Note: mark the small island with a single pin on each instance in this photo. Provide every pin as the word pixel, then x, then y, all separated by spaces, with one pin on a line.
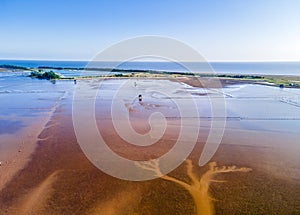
pixel 45 75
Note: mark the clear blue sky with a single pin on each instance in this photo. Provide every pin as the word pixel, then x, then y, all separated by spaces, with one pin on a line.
pixel 221 29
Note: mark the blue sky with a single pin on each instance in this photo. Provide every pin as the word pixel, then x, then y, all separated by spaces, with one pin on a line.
pixel 221 30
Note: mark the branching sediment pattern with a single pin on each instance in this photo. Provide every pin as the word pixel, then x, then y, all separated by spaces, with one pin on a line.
pixel 199 187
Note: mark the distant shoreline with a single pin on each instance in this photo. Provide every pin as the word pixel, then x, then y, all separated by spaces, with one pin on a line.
pixel 287 81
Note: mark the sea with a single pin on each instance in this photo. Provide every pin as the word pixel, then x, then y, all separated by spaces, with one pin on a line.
pixel 244 68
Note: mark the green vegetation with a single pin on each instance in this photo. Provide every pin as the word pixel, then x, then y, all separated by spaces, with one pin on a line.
pixel 284 81
pixel 44 75
pixel 5 66
pixel 239 76
pixel 273 80
pixel 119 75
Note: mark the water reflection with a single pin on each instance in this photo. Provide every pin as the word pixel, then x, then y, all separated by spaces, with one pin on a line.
pixel 10 126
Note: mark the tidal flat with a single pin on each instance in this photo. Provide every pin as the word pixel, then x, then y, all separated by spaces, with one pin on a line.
pixel 255 170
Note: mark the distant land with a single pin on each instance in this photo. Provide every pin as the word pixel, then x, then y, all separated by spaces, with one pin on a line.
pixel 53 72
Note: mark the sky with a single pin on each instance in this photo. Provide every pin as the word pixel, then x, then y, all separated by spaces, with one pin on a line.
pixel 221 30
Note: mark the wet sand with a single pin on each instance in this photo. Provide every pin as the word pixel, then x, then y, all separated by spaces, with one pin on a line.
pixel 59 179
pixel 18 146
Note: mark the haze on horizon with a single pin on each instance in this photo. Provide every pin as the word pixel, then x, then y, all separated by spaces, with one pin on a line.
pixel 230 30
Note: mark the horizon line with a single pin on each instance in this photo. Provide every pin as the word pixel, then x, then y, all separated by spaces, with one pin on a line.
pixel 209 61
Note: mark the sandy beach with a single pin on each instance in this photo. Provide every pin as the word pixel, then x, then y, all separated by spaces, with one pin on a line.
pixel 255 171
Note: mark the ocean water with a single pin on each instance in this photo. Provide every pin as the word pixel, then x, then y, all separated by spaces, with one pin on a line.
pixel 262 68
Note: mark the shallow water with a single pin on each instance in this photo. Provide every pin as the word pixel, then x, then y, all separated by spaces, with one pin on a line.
pixel 256 115
pixel 24 102
pixel 253 106
pixel 262 125
pixel 248 107
pixel 265 108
